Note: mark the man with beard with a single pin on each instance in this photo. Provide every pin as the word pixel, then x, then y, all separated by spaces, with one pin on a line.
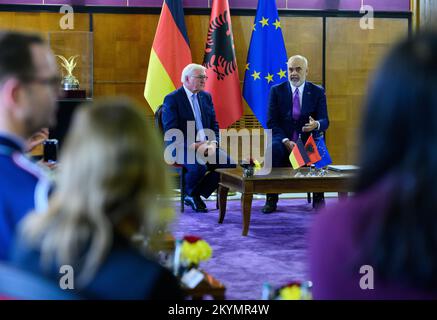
pixel 296 107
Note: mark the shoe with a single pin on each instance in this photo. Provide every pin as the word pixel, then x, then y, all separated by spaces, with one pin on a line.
pixel 194 204
pixel 200 202
pixel 318 201
pixel 271 203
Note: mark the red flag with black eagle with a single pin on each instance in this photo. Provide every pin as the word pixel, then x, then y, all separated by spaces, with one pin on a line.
pixel 311 150
pixel 222 71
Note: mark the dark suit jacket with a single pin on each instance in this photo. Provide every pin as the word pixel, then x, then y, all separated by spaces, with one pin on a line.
pixel 20 184
pixel 280 119
pixel 176 111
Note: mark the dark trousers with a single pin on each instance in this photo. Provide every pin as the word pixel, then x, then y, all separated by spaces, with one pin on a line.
pixel 201 179
pixel 280 155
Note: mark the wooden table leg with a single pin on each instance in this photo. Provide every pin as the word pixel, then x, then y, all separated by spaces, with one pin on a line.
pixel 223 196
pixel 246 205
pixel 219 296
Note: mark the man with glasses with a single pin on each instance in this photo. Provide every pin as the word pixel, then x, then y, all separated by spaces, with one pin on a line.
pixel 191 106
pixel 29 87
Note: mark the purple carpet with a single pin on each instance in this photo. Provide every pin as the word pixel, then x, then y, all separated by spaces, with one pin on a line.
pixel 275 251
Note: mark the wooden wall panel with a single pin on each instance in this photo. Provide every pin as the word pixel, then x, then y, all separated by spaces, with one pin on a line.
pixel 131 90
pixel 352 54
pixel 122 44
pixel 304 36
pixel 40 21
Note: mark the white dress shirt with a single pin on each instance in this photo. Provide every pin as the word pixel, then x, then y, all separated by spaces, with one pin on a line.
pixel 293 91
pixel 190 98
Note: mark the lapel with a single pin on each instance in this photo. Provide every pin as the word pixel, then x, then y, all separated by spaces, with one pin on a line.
pixel 289 97
pixel 186 103
pixel 306 97
pixel 202 107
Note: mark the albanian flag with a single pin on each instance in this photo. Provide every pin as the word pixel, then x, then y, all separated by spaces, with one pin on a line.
pixel 311 150
pixel 223 82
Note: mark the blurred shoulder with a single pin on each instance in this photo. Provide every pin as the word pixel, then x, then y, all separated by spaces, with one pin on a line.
pixel 174 95
pixel 280 86
pixel 315 87
pixel 206 94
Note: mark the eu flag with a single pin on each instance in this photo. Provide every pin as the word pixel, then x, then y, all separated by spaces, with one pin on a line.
pixel 324 154
pixel 266 60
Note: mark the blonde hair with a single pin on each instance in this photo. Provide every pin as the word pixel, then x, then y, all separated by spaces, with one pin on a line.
pixel 111 172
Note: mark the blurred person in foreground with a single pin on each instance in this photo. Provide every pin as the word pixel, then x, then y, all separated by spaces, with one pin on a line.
pixel 107 189
pixel 29 87
pixel 382 244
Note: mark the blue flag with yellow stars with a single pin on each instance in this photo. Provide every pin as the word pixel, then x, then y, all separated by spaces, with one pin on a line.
pixel 324 154
pixel 266 60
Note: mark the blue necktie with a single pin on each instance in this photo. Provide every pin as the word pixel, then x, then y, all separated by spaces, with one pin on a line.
pixel 198 117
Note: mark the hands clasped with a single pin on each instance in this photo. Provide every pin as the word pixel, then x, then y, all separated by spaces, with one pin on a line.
pixel 207 148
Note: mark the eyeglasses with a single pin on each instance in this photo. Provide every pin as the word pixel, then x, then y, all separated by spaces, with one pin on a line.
pixel 200 77
pixel 54 82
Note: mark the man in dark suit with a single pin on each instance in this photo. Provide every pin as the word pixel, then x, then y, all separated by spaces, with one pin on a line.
pixel 29 87
pixel 191 110
pixel 296 107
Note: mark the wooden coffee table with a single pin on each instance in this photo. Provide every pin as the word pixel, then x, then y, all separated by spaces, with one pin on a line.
pixel 280 180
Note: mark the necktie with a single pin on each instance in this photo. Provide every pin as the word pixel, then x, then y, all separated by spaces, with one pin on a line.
pixel 296 105
pixel 198 117
pixel 296 111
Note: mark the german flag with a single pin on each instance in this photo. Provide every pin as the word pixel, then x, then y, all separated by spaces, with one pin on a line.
pixel 169 55
pixel 298 156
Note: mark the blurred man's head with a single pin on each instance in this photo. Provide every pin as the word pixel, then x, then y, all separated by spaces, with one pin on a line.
pixel 29 84
pixel 194 77
pixel 297 70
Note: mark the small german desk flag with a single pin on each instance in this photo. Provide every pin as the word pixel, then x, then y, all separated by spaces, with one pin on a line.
pixel 299 156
